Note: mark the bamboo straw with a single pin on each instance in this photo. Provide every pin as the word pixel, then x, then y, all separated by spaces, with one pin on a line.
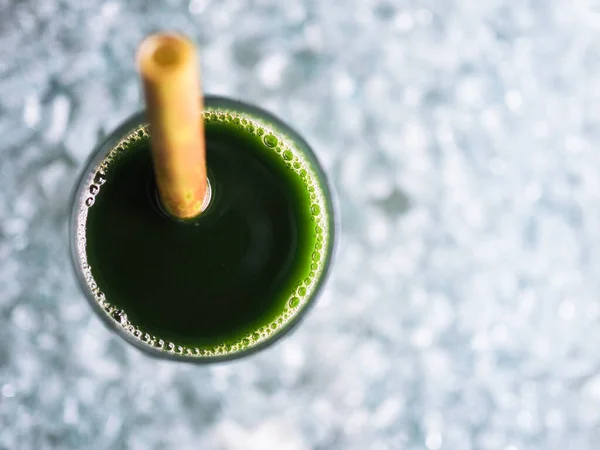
pixel 168 66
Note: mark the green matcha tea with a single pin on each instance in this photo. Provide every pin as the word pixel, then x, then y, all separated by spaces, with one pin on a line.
pixel 227 281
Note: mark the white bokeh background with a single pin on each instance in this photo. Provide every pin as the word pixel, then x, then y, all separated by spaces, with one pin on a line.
pixel 464 308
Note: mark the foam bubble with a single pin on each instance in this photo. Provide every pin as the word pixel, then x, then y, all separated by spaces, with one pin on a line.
pixel 270 140
pixel 120 316
pixel 100 178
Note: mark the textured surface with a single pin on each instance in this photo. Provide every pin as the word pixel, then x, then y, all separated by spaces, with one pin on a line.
pixel 464 309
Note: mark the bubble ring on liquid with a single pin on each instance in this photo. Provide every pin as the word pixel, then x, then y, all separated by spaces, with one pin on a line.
pixel 274 141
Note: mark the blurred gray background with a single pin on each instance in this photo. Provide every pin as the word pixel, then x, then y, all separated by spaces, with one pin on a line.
pixel 463 312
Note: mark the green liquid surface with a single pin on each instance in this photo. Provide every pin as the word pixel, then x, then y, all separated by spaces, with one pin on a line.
pixel 226 280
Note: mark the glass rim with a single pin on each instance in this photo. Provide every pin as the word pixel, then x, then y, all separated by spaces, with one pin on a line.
pixel 100 152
